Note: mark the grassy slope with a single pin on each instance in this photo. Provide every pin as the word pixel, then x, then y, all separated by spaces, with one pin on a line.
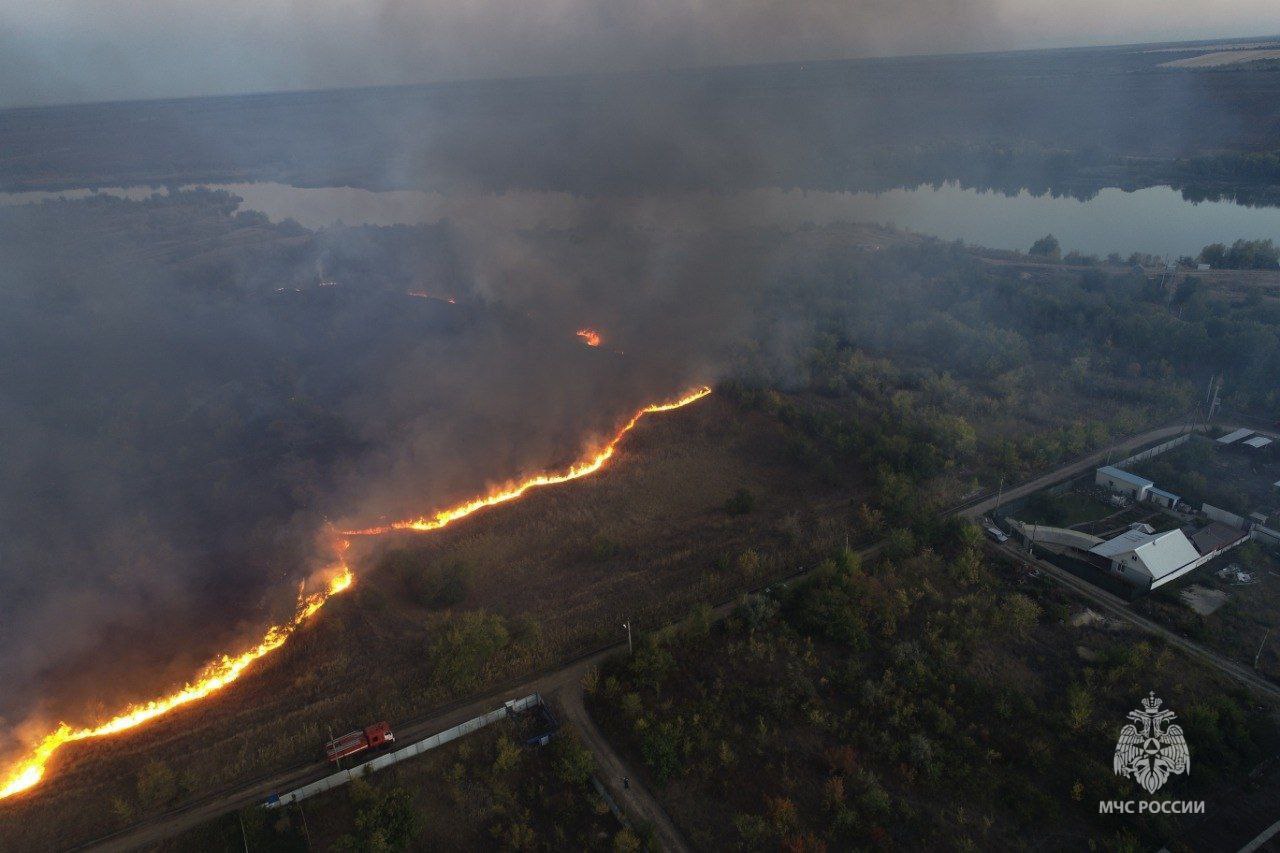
pixel 646 539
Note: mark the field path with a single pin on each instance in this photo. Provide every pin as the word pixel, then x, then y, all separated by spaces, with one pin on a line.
pixel 565 685
pixel 634 798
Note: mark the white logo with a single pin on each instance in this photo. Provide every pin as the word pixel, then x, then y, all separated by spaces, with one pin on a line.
pixel 1150 752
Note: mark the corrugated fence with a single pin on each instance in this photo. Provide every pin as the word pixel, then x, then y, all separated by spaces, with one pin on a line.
pixel 1154 451
pixel 342 777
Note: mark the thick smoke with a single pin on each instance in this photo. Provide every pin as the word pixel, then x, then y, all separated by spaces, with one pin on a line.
pixel 90 51
pixel 190 398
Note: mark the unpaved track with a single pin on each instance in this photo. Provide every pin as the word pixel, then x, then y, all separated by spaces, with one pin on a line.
pixel 1117 608
pixel 634 798
pixel 565 684
pixel 174 822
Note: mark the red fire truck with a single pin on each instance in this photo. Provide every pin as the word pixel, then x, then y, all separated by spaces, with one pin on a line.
pixel 358 741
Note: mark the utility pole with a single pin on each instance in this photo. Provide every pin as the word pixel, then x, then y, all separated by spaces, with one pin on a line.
pixel 243 837
pixel 995 511
pixel 306 830
pixel 627 625
pixel 329 731
pixel 1260 645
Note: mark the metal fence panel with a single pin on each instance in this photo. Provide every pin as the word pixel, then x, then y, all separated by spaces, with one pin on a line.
pixel 342 777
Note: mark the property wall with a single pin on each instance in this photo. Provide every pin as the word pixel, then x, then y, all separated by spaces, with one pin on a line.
pixel 1265 535
pixel 1228 518
pixel 1057 536
pixel 1195 564
pixel 1154 451
pixel 342 777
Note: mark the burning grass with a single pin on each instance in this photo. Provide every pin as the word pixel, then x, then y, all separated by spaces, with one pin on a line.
pixel 520 587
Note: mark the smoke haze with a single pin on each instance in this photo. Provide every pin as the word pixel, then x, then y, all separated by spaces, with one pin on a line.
pixel 86 50
pixel 190 396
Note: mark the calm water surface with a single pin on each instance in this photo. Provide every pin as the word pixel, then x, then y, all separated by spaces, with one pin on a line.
pixel 1156 220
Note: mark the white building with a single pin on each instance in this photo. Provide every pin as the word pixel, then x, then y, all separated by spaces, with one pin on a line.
pixel 1149 560
pixel 1123 482
pixel 1233 437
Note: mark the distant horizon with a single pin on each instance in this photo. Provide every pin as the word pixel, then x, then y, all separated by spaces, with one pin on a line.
pixel 1207 41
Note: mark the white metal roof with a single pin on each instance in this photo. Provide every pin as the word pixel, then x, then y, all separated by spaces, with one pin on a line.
pixel 1124 476
pixel 1158 554
pixel 1233 437
pixel 1258 441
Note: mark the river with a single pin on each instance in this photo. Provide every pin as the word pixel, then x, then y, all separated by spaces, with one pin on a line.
pixel 1156 220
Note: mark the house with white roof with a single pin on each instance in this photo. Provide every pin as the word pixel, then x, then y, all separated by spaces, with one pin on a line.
pixel 1149 560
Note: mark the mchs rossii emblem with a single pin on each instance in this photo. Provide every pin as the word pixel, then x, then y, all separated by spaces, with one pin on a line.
pixel 1151 748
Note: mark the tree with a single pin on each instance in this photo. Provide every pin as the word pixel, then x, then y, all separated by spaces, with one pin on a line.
pixel 572 761
pixel 1046 247
pixel 1020 614
pixel 384 821
pixel 1253 255
pixel 1215 255
pixel 468 642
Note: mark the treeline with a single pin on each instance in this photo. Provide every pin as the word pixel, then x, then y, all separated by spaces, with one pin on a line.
pixel 1103 332
pixel 1242 255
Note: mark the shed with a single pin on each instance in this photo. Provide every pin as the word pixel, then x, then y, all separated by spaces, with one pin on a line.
pixel 1119 480
pixel 1160 497
pixel 1257 442
pixel 1233 437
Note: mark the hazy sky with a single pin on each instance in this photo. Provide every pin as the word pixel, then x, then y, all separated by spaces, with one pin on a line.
pixel 87 50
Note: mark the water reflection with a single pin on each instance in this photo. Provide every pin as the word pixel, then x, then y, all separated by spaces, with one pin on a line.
pixel 1156 220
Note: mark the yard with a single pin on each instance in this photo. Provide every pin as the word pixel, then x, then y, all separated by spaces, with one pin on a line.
pixel 1234 478
pixel 1244 627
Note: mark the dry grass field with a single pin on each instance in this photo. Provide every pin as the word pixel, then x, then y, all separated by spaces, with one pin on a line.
pixel 437 617
pixel 484 792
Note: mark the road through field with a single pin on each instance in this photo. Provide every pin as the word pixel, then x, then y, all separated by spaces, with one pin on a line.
pixel 565 684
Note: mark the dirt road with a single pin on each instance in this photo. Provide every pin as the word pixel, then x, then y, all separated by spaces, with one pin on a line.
pixel 564 684
pixel 633 797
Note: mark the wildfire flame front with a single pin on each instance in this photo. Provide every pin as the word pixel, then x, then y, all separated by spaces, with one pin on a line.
pixel 27 772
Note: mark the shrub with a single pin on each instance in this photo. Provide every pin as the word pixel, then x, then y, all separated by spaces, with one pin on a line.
pixel 156 785
pixel 573 762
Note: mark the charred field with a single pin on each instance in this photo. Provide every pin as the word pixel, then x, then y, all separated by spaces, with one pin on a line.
pixel 446 615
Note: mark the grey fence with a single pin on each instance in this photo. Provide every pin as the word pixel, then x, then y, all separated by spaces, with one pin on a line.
pixel 1228 518
pixel 342 777
pixel 1163 447
pixel 1265 535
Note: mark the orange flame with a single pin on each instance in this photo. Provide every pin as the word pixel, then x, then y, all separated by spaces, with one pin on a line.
pixel 214 676
pixel 226 669
pixel 511 491
pixel 589 336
